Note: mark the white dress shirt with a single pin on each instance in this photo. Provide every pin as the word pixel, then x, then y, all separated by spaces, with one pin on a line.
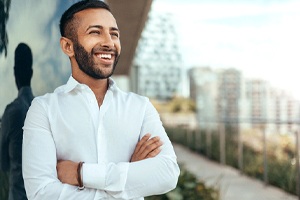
pixel 68 125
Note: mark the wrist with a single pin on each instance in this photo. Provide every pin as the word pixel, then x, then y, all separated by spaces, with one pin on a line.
pixel 79 176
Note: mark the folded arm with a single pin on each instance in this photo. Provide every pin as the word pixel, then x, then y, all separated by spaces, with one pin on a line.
pixel 67 170
pixel 152 176
pixel 152 170
pixel 39 161
pixel 145 175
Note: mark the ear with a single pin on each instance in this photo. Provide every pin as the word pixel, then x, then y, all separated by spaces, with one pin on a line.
pixel 67 46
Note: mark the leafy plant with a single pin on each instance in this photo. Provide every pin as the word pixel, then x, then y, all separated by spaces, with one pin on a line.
pixel 280 157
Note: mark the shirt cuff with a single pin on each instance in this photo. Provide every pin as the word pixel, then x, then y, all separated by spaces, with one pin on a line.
pixel 93 175
pixel 109 177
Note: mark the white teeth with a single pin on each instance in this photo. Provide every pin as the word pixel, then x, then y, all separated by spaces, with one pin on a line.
pixel 105 56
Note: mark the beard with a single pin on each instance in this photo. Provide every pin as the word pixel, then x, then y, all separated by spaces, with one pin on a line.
pixel 86 62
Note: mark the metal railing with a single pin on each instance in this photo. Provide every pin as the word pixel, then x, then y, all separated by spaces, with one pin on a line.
pixel 200 139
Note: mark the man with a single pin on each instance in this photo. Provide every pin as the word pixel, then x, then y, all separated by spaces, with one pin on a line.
pixel 89 139
pixel 12 122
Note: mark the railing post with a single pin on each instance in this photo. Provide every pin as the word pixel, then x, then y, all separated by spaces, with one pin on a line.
pixel 193 132
pixel 265 154
pixel 297 163
pixel 222 143
pixel 188 137
pixel 197 139
pixel 208 141
pixel 240 150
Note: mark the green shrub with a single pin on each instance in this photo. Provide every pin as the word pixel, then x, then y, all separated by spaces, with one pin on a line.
pixel 180 104
pixel 281 173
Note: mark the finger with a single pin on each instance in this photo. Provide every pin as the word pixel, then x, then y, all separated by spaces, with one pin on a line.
pixel 141 142
pixel 144 147
pixel 154 153
pixel 151 145
pixel 147 144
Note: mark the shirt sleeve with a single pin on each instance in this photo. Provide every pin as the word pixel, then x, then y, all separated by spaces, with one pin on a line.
pixel 151 176
pixel 39 160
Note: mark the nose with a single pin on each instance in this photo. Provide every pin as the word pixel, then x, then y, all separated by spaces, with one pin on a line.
pixel 107 41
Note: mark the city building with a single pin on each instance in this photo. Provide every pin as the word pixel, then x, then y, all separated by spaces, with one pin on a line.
pixel 157 67
pixel 229 92
pixel 204 91
pixel 226 96
pixel 259 103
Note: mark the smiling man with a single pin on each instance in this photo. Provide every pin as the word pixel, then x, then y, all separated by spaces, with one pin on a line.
pixel 88 139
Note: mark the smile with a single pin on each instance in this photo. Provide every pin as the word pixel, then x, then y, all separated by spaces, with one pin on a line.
pixel 104 56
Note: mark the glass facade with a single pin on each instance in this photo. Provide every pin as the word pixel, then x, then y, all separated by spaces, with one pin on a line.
pixel 158 63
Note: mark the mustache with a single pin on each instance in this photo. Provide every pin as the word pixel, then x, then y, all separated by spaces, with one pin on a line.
pixel 104 49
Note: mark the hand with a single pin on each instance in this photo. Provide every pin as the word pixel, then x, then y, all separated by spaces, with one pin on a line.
pixel 146 148
pixel 67 172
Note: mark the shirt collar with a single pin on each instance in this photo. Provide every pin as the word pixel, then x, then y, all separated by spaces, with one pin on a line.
pixel 72 84
pixel 111 84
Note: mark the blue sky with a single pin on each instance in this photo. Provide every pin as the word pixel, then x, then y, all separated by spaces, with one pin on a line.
pixel 259 37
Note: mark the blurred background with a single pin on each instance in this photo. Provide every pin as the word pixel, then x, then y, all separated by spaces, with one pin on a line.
pixel 222 74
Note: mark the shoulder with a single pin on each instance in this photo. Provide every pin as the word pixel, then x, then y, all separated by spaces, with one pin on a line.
pixel 125 95
pixel 43 98
pixel 44 102
pixel 131 97
pixel 135 102
pixel 12 108
pixel 13 112
pixel 50 95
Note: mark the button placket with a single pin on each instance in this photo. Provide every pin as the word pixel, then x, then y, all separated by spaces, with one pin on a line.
pixel 102 143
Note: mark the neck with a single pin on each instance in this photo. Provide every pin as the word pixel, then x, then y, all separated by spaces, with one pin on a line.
pixel 98 86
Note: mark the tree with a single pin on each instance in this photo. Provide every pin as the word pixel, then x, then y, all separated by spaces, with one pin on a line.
pixel 4 13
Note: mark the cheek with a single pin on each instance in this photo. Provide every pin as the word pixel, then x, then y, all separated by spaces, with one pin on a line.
pixel 88 44
pixel 118 47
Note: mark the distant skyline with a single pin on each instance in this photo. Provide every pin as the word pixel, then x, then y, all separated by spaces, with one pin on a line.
pixel 259 37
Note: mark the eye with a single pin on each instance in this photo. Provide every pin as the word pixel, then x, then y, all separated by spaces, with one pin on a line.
pixel 115 34
pixel 95 32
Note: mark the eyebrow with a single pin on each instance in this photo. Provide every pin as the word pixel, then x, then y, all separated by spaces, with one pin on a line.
pixel 101 27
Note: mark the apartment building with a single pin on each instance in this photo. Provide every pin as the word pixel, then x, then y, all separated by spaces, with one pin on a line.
pixel 157 67
pixel 227 96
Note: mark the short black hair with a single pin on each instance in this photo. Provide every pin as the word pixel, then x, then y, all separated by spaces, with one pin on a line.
pixel 67 22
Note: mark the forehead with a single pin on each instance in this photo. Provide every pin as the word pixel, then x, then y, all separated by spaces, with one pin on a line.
pixel 96 16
